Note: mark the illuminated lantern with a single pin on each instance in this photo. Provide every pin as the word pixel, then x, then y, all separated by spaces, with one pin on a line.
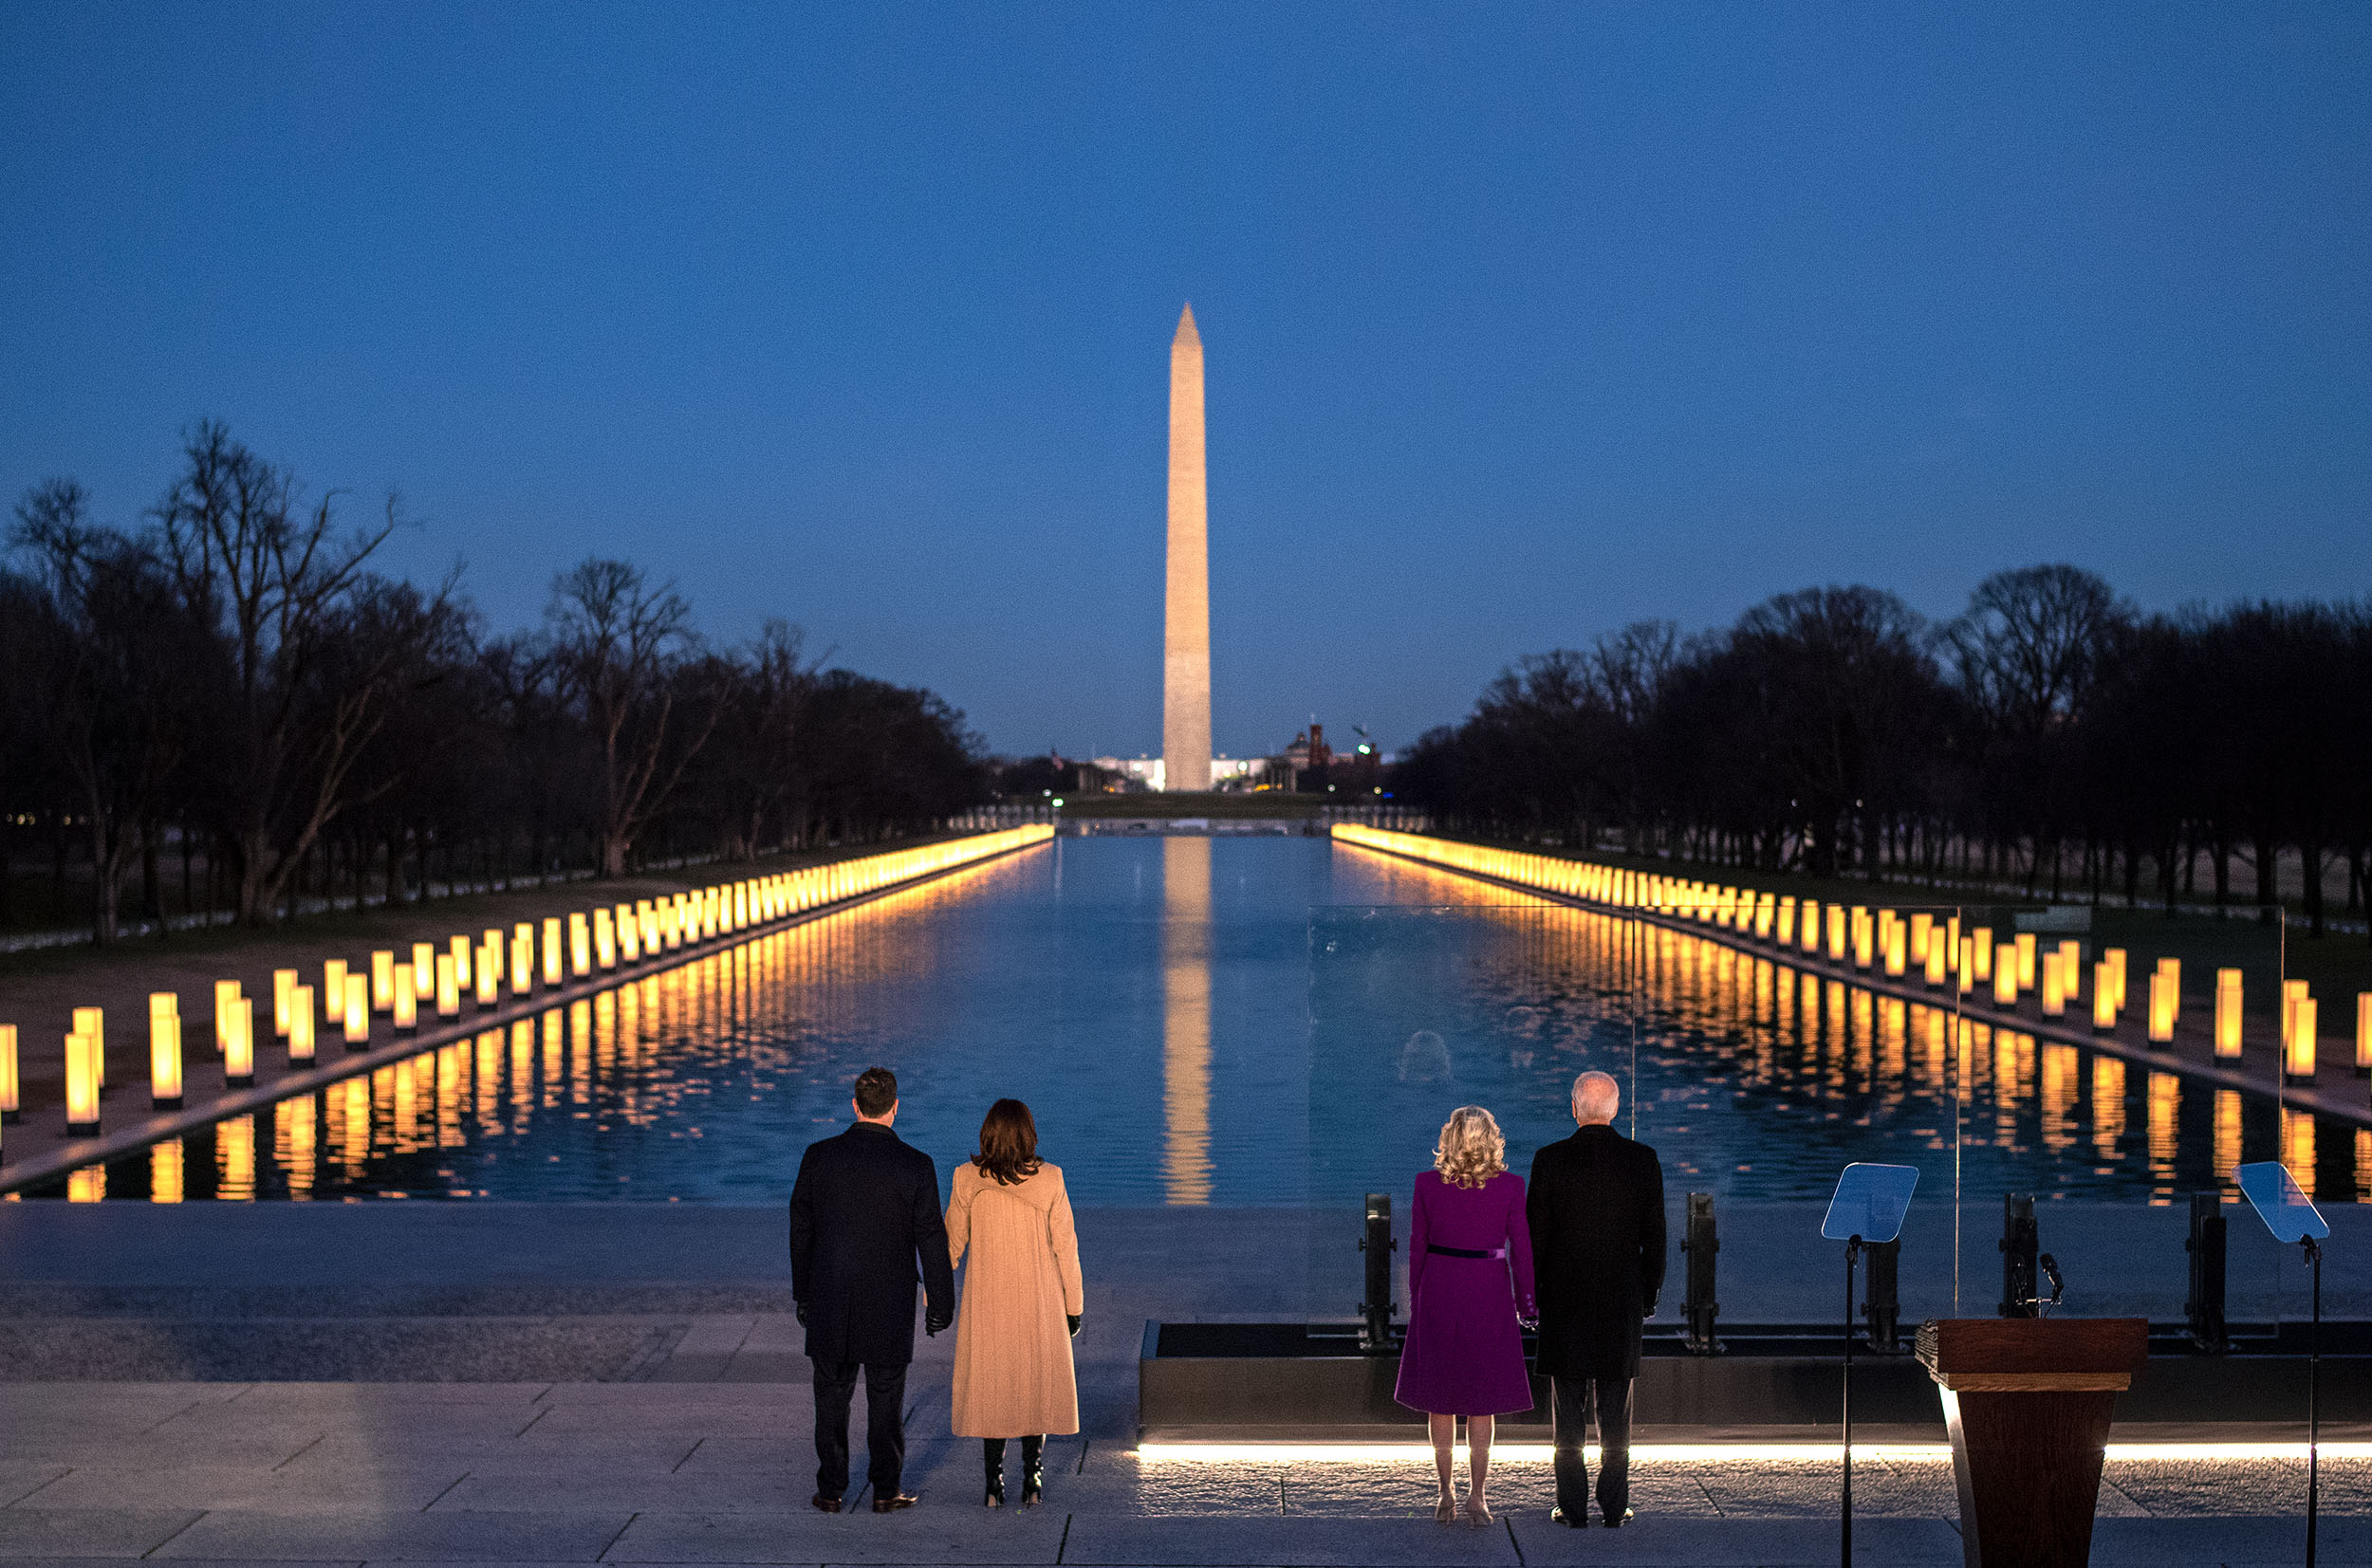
pixel 2292 991
pixel 464 972
pixel 226 998
pixel 2103 999
pixel 1811 925
pixel 2006 975
pixel 629 935
pixel 580 947
pixel 604 939
pixel 490 971
pixel 1898 947
pixel 93 1022
pixel 490 946
pixel 741 906
pixel 2172 970
pixel 521 959
pixel 2115 958
pixel 2071 967
pixel 382 981
pixel 423 971
pixel 448 987
pixel 1923 934
pixel 2054 986
pixel 334 990
pixel 646 920
pixel 671 922
pixel 407 999
pixel 2298 1066
pixel 357 1015
pixel 1836 933
pixel 553 958
pixel 1784 926
pixel 165 1050
pixel 2161 1008
pixel 1935 965
pixel 301 1029
pixel 2029 976
pixel 1981 948
pixel 238 1058
pixel 82 1084
pixel 11 1084
pixel 2364 1033
pixel 1952 939
pixel 283 986
pixel 2228 995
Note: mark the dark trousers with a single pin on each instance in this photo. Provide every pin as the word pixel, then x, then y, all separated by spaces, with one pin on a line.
pixel 1574 1401
pixel 884 1424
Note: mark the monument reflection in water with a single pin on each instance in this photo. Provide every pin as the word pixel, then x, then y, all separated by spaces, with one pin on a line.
pixel 1236 1021
pixel 1186 1019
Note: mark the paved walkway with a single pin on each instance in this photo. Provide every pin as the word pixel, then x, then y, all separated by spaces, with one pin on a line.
pixel 720 1473
pixel 625 1385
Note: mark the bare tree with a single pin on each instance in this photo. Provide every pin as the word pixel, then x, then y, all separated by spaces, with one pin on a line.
pixel 621 645
pixel 276 578
pixel 113 675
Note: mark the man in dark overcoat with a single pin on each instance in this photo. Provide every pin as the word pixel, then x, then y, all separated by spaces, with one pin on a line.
pixel 864 1213
pixel 1596 1208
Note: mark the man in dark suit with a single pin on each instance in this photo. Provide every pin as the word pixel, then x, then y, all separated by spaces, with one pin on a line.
pixel 1596 1208
pixel 864 1210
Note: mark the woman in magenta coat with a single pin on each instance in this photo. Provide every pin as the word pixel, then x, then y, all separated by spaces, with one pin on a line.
pixel 1470 1289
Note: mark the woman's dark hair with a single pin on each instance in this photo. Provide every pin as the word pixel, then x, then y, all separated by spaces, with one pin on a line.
pixel 1008 1143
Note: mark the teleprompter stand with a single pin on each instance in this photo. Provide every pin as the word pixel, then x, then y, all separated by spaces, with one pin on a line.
pixel 2291 1216
pixel 1867 1210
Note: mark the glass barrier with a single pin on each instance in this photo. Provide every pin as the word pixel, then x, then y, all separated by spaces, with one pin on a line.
pixel 2065 1079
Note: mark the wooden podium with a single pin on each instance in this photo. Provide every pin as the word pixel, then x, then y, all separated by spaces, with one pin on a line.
pixel 2028 1401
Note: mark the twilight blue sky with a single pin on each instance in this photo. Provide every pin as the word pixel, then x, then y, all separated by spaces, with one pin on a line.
pixel 1522 323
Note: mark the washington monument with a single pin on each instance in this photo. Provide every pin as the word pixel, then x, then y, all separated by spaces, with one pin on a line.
pixel 1186 620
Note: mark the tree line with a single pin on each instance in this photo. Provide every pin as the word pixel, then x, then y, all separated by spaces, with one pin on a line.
pixel 2049 736
pixel 233 682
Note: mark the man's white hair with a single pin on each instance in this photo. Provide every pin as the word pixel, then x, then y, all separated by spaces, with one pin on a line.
pixel 1596 1096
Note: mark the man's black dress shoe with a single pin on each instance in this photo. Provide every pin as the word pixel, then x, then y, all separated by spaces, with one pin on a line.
pixel 1613 1523
pixel 890 1504
pixel 1571 1521
pixel 829 1504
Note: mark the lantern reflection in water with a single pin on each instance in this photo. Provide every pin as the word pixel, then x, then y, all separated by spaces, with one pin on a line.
pixel 2298 1146
pixel 165 1171
pixel 2165 1132
pixel 234 1159
pixel 2108 1110
pixel 293 1143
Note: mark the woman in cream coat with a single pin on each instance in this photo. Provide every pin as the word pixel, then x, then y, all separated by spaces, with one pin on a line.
pixel 1022 1299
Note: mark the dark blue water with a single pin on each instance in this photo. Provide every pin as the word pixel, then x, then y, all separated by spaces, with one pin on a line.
pixel 1261 1021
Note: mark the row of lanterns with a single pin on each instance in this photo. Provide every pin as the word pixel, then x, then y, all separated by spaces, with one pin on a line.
pixel 2004 966
pixel 401 985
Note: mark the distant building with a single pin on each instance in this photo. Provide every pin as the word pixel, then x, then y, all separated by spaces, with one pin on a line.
pixel 1141 772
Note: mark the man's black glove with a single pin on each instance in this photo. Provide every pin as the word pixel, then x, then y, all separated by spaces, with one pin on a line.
pixel 935 1321
pixel 1074 1324
pixel 799 1310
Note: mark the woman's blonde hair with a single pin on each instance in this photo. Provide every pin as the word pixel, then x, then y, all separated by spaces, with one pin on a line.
pixel 1471 1149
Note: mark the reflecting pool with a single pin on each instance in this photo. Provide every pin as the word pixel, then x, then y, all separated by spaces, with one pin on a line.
pixel 1234 1021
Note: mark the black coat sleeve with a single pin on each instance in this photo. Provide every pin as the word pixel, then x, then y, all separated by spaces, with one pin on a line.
pixel 1651 1234
pixel 938 1275
pixel 803 1230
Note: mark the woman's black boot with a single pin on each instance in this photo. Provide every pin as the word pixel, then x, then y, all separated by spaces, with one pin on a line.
pixel 992 1457
pixel 1032 1476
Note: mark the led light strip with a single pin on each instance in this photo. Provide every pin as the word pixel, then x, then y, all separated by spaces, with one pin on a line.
pixel 1692 1453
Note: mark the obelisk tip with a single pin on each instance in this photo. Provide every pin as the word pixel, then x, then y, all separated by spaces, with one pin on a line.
pixel 1186 333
